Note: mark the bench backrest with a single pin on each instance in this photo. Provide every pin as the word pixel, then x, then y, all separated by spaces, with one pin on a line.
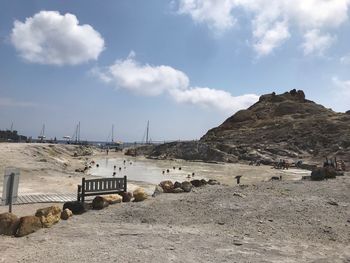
pixel 104 184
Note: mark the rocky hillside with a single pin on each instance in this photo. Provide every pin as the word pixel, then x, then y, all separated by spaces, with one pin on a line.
pixel 277 126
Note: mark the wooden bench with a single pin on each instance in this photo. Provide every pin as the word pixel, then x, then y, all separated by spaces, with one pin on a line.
pixel 101 186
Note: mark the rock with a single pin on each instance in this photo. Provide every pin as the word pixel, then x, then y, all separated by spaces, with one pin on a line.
pixel 213 182
pixel 113 199
pixel 127 196
pixel 8 224
pixel 178 190
pixel 99 203
pixel 204 182
pixel 167 186
pixel 197 183
pixel 76 207
pixel 186 186
pixel 66 213
pixel 157 191
pixel 322 173
pixel 28 225
pixel 140 195
pixel 177 185
pixel 239 195
pixel 49 215
pixel 332 202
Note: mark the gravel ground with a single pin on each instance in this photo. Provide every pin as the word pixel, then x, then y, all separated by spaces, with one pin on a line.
pixel 281 221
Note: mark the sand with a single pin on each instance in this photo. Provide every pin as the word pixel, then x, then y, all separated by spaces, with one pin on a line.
pixel 281 221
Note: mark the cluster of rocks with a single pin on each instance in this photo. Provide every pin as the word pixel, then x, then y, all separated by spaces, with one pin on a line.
pixel 184 187
pixel 46 217
pixel 12 225
pixel 325 173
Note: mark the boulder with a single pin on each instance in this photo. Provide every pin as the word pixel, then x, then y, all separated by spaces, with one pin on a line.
pixel 177 185
pixel 76 207
pixel 213 182
pixel 178 190
pixel 99 203
pixel 113 199
pixel 28 225
pixel 196 183
pixel 157 191
pixel 322 173
pixel 127 196
pixel 204 182
pixel 167 186
pixel 66 213
pixel 186 186
pixel 8 224
pixel 49 215
pixel 140 195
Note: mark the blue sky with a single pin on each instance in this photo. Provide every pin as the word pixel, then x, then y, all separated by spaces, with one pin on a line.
pixel 185 65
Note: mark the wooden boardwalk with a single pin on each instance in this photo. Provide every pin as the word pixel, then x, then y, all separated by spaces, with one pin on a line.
pixel 44 198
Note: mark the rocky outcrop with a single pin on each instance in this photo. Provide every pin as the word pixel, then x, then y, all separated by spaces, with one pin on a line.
pixel 8 224
pixel 28 225
pixel 49 215
pixel 285 126
pixel 140 195
pixel 167 186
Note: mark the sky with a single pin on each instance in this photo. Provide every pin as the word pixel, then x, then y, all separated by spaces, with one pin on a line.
pixel 184 65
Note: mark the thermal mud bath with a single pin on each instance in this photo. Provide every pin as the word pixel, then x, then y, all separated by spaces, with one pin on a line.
pixel 258 221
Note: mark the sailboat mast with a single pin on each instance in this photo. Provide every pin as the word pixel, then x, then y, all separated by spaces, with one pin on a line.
pixel 112 132
pixel 147 132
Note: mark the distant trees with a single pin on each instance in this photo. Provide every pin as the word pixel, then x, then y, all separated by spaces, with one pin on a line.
pixel 11 136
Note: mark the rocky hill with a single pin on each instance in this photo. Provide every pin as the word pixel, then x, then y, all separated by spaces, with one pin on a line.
pixel 284 126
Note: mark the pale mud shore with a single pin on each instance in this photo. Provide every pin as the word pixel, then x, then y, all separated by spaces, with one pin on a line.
pixel 280 221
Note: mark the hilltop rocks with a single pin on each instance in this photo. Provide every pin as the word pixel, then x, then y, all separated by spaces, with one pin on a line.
pixel 8 224
pixel 276 127
pixel 28 225
pixel 140 195
pixel 49 215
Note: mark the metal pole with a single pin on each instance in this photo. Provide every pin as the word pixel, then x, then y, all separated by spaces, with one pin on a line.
pixel 9 197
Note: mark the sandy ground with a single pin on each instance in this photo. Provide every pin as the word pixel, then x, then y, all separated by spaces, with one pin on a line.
pixel 282 221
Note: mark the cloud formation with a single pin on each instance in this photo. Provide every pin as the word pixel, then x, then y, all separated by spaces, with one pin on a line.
pixel 150 80
pixel 9 102
pixel 316 43
pixel 51 38
pixel 271 19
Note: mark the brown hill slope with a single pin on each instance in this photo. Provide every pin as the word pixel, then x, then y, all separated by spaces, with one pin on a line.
pixel 277 126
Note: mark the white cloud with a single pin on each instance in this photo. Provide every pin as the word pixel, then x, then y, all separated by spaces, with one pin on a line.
pixel 343 88
pixel 216 13
pixel 9 102
pixel 345 60
pixel 271 19
pixel 269 38
pixel 51 38
pixel 143 79
pixel 213 98
pixel 317 43
pixel 150 80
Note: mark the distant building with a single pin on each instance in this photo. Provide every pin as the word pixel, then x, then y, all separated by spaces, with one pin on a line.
pixel 11 136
